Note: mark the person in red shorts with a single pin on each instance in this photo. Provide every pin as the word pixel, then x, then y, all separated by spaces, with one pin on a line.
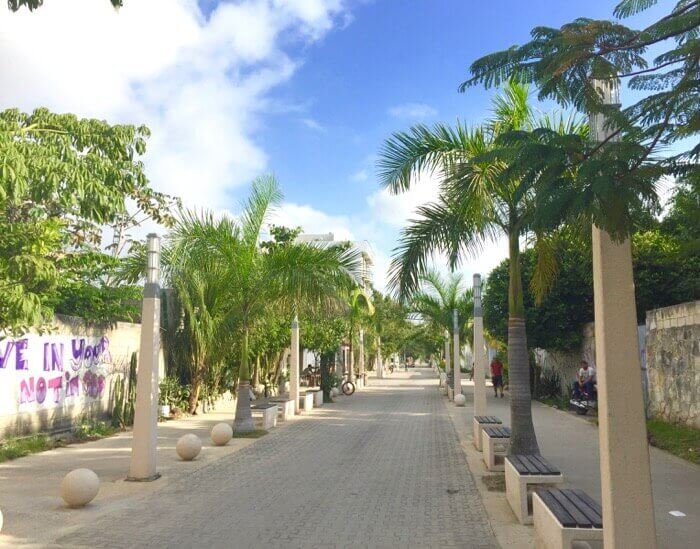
pixel 497 375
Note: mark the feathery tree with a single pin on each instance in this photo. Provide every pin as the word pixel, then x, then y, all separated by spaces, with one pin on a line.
pixel 607 181
pixel 14 5
pixel 480 200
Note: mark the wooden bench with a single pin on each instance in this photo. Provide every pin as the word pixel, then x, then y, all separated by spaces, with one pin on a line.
pixel 306 401
pixel 524 474
pixel 496 442
pixel 286 407
pixel 478 425
pixel 269 414
pixel 563 517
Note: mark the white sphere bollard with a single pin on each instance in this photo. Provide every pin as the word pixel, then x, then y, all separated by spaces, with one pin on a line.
pixel 335 391
pixel 1 520
pixel 460 400
pixel 188 447
pixel 79 487
pixel 221 434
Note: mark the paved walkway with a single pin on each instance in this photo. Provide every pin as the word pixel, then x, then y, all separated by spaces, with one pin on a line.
pixel 571 443
pixel 382 468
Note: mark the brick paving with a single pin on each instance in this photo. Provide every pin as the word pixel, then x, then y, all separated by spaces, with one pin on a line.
pixel 382 468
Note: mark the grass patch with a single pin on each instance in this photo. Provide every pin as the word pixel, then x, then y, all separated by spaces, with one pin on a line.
pixel 252 434
pixel 91 430
pixel 680 440
pixel 562 402
pixel 495 483
pixel 13 448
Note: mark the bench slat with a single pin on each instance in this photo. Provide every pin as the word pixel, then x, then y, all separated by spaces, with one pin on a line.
pixel 582 521
pixel 546 468
pixel 592 514
pixel 515 462
pixel 566 520
pixel 531 466
pixel 497 432
pixel 487 419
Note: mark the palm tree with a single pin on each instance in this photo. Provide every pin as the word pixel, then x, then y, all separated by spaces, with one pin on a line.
pixel 359 306
pixel 479 201
pixel 257 279
pixel 439 297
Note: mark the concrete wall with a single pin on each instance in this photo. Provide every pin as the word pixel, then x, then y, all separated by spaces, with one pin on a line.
pixel 49 380
pixel 673 362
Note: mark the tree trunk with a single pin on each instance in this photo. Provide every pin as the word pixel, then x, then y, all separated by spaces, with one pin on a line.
pixel 522 439
pixel 326 376
pixel 194 395
pixel 243 423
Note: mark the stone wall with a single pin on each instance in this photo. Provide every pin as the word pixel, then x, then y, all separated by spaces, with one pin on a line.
pixel 673 362
pixel 567 364
pixel 49 380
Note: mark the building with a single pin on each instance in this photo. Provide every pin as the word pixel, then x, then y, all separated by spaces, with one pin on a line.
pixel 362 246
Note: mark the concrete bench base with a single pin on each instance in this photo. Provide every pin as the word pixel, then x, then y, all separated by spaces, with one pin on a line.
pixel 318 398
pixel 478 424
pixel 519 489
pixel 550 533
pixel 269 415
pixel 286 408
pixel 306 402
pixel 495 448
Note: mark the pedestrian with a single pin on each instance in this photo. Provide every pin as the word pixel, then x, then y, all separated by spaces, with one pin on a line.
pixel 497 375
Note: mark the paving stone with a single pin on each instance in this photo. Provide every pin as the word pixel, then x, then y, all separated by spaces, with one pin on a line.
pixel 371 470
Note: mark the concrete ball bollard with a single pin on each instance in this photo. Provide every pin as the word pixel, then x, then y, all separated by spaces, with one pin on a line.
pixel 79 487
pixel 1 521
pixel 221 434
pixel 188 447
pixel 335 391
pixel 460 400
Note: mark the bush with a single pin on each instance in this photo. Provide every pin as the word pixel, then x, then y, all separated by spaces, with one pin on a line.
pixel 89 429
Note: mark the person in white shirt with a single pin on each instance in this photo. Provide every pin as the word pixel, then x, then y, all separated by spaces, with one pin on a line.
pixel 584 386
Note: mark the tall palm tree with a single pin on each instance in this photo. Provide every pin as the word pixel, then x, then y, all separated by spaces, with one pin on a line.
pixel 438 297
pixel 258 279
pixel 479 201
pixel 359 306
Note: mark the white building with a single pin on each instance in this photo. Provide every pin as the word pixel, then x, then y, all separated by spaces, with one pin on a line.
pixel 362 246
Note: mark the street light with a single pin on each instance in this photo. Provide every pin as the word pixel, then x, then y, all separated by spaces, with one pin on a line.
pixel 144 439
pixel 625 473
pixel 479 354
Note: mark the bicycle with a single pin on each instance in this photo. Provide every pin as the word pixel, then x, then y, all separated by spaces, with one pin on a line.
pixel 347 387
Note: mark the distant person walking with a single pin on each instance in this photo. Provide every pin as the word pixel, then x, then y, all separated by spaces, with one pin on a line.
pixel 497 375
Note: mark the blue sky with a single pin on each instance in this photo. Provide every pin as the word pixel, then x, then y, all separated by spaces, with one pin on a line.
pixel 306 89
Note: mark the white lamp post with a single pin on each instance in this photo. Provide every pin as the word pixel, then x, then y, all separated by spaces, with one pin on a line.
pixel 456 355
pixel 361 365
pixel 628 509
pixel 380 365
pixel 479 354
pixel 294 366
pixel 447 354
pixel 144 441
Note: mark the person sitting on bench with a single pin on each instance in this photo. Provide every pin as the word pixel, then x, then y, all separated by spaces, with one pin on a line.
pixel 584 387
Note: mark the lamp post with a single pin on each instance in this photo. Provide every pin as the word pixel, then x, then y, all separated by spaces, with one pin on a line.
pixel 447 357
pixel 361 365
pixel 294 366
pixel 479 354
pixel 628 508
pixel 144 439
pixel 380 366
pixel 456 354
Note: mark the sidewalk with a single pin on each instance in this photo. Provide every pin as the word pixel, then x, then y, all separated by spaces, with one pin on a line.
pixel 30 487
pixel 571 443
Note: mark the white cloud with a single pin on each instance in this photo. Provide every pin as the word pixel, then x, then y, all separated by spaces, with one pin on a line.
pixel 199 83
pixel 313 125
pixel 417 111
pixel 312 220
pixel 397 209
pixel 360 176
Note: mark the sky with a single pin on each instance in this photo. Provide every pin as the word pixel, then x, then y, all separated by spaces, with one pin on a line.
pixel 305 89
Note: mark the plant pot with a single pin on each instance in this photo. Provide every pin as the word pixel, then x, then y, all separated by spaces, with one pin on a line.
pixel 164 410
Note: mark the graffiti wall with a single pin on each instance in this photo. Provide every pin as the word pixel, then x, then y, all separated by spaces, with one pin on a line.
pixel 47 380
